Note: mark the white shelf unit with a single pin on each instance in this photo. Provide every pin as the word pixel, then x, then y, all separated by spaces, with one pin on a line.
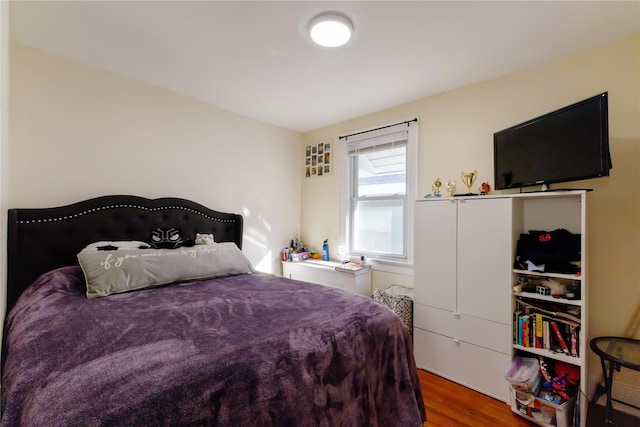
pixel 463 310
pixel 560 210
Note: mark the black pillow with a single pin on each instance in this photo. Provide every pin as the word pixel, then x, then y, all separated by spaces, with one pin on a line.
pixel 168 238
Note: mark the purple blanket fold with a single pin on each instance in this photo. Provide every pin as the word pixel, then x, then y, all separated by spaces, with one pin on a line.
pixel 244 350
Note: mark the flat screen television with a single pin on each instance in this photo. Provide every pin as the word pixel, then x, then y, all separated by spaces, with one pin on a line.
pixel 568 144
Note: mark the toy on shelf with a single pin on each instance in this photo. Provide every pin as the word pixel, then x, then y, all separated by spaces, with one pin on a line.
pixel 555 388
pixel 485 188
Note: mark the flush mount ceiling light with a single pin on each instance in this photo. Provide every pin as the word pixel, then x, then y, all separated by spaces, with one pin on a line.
pixel 330 29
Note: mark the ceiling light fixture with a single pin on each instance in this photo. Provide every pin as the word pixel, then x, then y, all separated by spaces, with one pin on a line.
pixel 330 29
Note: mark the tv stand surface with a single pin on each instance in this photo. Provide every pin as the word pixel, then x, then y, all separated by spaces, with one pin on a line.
pixel 551 190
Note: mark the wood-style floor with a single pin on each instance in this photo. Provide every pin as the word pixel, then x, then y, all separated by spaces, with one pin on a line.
pixel 452 405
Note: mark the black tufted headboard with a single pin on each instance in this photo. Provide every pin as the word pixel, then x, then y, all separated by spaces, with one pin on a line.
pixel 40 240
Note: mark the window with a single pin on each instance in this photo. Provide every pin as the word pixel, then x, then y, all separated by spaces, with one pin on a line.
pixel 378 189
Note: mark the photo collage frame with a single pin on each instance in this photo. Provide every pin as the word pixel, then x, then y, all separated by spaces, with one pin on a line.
pixel 317 159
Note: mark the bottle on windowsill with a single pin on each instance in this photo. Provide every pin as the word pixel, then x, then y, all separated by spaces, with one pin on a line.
pixel 325 250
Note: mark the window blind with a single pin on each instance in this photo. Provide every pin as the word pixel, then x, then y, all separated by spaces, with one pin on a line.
pixel 395 140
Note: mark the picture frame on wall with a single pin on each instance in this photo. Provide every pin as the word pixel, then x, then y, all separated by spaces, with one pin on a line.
pixel 317 160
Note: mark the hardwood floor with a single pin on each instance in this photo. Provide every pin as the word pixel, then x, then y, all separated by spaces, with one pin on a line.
pixel 452 405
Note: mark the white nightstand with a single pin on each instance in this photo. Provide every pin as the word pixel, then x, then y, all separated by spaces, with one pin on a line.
pixel 324 273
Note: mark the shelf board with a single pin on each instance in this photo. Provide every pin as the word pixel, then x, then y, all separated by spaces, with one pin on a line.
pixel 556 275
pixel 549 298
pixel 550 354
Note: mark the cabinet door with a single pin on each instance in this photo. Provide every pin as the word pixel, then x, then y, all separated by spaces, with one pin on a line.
pixel 435 254
pixel 485 256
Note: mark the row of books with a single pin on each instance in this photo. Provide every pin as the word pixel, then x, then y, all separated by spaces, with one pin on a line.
pixel 539 331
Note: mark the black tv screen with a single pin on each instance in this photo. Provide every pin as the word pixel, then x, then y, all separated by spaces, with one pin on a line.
pixel 568 144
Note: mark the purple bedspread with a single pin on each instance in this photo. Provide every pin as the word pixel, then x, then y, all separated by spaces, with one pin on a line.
pixel 245 350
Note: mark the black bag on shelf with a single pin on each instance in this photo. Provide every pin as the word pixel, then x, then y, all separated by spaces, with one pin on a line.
pixel 555 249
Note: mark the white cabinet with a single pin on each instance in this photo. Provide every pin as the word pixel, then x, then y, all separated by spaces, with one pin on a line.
pixel 325 273
pixel 462 276
pixel 463 284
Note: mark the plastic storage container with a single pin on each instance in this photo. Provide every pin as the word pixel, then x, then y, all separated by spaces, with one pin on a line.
pixel 300 256
pixel 524 375
pixel 543 412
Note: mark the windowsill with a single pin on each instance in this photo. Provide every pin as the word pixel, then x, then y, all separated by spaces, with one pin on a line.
pixel 391 266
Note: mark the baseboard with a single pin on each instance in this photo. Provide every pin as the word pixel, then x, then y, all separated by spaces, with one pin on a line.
pixel 621 391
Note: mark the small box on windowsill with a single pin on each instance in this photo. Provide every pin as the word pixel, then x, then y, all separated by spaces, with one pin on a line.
pixel 299 256
pixel 351 266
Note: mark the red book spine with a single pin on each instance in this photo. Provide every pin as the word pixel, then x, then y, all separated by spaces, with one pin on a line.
pixel 563 344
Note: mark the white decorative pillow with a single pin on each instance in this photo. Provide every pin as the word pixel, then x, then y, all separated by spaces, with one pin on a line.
pixel 116 271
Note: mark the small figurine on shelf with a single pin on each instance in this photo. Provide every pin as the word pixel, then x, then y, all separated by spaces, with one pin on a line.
pixel 545 373
pixel 451 187
pixel 435 187
pixel 559 385
pixel 485 188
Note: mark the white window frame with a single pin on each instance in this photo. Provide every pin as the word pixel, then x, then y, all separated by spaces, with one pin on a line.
pixel 388 264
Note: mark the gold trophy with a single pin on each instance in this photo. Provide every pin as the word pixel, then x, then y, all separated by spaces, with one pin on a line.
pixel 451 187
pixel 469 178
pixel 435 187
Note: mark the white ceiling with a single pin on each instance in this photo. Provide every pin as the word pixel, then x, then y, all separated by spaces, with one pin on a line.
pixel 255 58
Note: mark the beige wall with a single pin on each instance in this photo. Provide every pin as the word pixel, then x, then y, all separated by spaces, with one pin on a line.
pixel 79 132
pixel 456 134
pixel 4 142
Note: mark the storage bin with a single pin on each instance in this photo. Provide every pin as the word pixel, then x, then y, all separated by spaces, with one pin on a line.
pixel 299 256
pixel 543 412
pixel 524 375
pixel 400 300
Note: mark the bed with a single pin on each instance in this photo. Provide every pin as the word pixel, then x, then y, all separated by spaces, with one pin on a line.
pixel 236 349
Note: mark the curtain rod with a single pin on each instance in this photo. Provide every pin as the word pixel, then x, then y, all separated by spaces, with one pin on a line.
pixel 408 122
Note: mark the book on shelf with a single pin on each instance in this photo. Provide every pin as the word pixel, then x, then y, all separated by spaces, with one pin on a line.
pixel 560 338
pixel 573 336
pixel 524 338
pixel 546 338
pixel 351 266
pixel 539 330
pixel 517 327
pixel 532 331
pixel 518 333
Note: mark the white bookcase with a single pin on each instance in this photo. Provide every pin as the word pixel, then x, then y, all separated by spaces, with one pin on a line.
pixel 463 300
pixel 567 210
